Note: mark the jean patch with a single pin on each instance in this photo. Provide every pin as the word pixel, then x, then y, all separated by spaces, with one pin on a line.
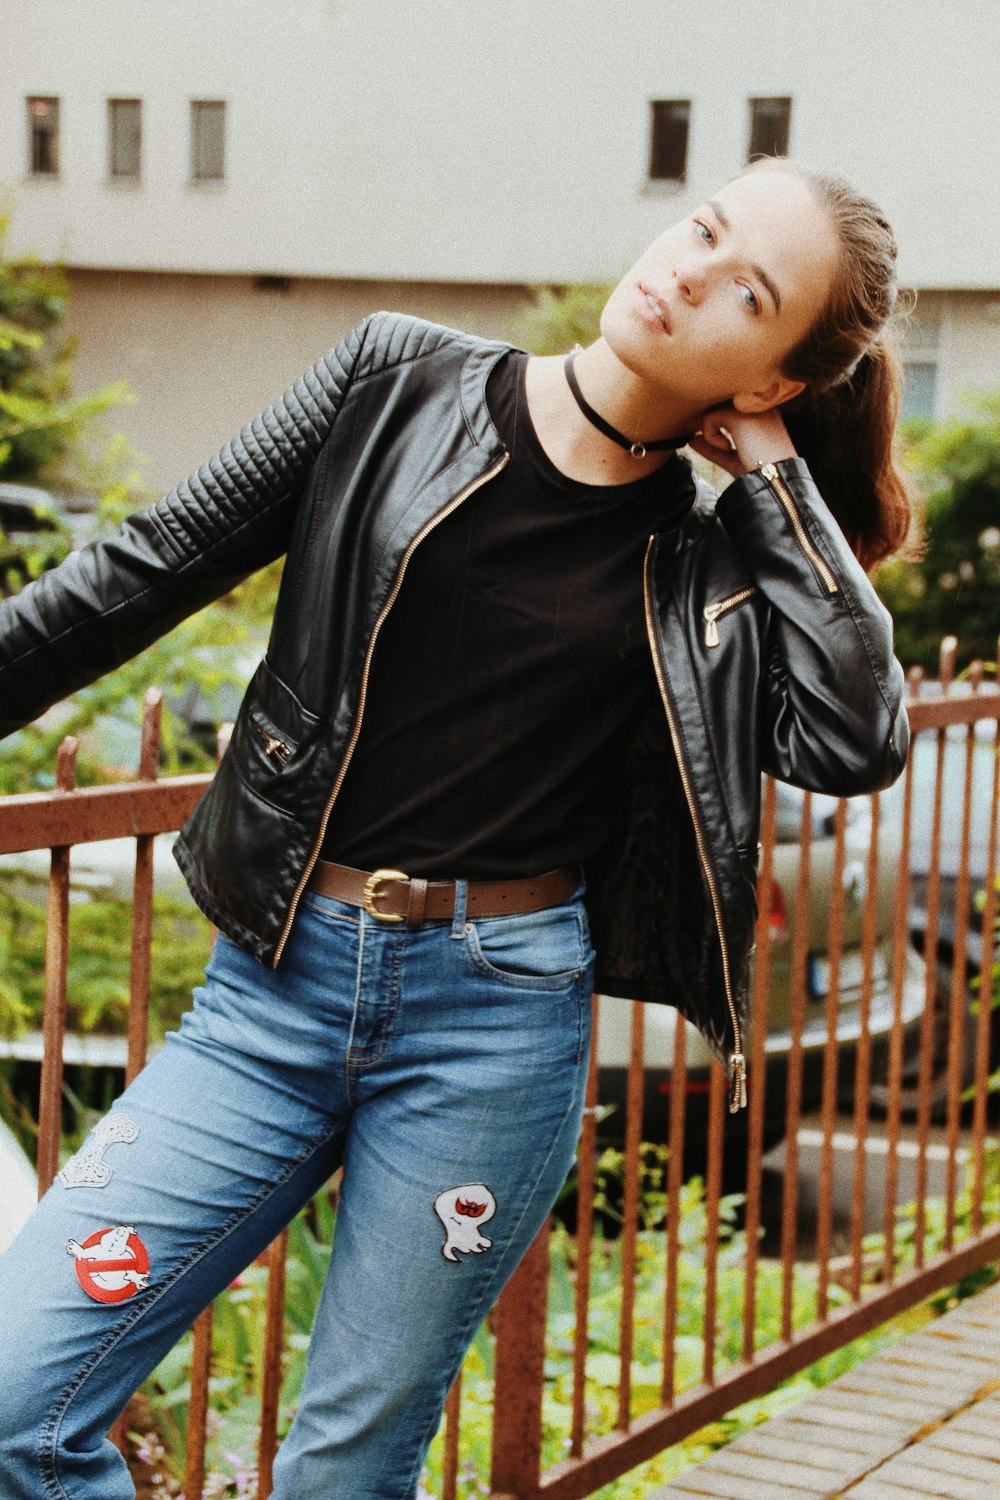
pixel 88 1167
pixel 461 1211
pixel 111 1264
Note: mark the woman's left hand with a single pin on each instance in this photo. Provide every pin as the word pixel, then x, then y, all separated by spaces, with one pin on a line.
pixel 739 441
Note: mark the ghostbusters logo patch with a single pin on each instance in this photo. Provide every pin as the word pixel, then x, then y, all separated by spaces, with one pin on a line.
pixel 112 1264
pixel 462 1210
pixel 88 1167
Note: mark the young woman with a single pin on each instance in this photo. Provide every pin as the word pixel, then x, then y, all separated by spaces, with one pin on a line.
pixel 517 649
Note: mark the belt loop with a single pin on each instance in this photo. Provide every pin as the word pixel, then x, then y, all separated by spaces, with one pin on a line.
pixel 416 902
pixel 458 917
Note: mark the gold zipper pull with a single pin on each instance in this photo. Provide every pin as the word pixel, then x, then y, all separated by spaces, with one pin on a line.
pixel 276 747
pixel 710 614
pixel 737 1083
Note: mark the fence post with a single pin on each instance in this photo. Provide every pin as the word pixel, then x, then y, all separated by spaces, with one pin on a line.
pixel 520 1370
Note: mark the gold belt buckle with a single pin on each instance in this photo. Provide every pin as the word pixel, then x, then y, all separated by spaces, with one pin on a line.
pixel 371 892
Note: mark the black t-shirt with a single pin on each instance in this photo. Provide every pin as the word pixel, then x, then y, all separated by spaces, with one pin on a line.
pixel 513 655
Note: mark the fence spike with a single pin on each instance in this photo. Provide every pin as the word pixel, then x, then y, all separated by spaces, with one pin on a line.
pixel 66 763
pixel 149 754
pixel 946 661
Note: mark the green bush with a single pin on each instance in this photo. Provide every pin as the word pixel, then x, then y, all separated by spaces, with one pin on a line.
pixel 954 588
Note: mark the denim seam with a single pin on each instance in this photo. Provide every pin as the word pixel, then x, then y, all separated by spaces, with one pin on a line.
pixel 358 979
pixel 479 1308
pixel 48 1462
pixel 360 1058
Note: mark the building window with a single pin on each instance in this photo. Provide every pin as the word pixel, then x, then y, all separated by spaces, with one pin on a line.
pixel 922 341
pixel 668 139
pixel 124 139
pixel 43 137
pixel 770 120
pixel 208 140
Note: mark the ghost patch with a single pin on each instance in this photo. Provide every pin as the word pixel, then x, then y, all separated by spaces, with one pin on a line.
pixel 88 1167
pixel 462 1210
pixel 112 1264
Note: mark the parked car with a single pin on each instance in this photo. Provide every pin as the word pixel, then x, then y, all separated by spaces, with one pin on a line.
pixel 923 763
pixel 660 1021
pixel 32 535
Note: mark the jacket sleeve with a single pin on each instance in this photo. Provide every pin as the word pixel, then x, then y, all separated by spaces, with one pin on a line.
pixel 109 601
pixel 834 719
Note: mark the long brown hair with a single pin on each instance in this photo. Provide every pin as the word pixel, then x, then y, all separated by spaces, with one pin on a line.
pixel 843 423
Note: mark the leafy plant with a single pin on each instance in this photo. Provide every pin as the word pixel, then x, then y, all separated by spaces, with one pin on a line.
pixel 560 317
pixel 953 588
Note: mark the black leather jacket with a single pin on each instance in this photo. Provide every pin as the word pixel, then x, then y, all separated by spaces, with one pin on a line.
pixel 771 650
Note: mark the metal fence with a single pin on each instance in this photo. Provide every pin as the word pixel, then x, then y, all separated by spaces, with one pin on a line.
pixel 916 1080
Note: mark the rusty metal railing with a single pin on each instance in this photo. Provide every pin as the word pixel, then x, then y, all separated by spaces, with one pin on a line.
pixel 930 1087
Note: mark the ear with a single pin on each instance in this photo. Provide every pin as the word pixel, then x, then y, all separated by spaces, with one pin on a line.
pixel 775 393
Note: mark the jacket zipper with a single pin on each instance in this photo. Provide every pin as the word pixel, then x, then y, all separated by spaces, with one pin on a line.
pixel 770 473
pixel 737 1060
pixel 355 732
pixel 712 612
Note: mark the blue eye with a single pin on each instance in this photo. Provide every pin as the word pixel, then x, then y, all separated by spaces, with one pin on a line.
pixel 704 232
pixel 750 299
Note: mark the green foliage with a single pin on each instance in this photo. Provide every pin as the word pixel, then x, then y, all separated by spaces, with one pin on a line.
pixel 204 654
pixel 560 317
pixel 41 423
pixel 98 970
pixel 955 587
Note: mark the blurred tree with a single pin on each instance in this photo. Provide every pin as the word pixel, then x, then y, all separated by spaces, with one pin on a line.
pixel 41 423
pixel 954 587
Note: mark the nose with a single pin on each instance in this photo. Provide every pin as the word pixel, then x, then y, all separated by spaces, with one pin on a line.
pixel 690 279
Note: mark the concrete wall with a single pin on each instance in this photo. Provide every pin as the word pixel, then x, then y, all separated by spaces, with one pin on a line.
pixel 204 354
pixel 505 142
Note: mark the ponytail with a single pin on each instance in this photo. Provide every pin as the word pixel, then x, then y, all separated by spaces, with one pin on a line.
pixel 845 434
pixel 844 420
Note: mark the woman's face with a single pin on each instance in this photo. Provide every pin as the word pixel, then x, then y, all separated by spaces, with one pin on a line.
pixel 712 309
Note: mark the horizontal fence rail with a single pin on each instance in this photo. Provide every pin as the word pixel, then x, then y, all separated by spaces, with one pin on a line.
pixel 857 1037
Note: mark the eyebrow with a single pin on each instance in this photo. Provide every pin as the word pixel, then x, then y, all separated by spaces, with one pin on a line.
pixel 758 271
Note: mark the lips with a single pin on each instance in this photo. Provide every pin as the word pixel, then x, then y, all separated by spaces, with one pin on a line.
pixel 654 309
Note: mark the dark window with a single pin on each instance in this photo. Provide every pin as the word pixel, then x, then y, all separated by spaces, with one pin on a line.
pixel 208 140
pixel 124 137
pixel 668 139
pixel 43 137
pixel 769 125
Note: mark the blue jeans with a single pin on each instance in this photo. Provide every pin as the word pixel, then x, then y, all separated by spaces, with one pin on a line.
pixel 444 1066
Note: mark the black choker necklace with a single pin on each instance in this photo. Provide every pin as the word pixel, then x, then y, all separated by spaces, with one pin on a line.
pixel 637 450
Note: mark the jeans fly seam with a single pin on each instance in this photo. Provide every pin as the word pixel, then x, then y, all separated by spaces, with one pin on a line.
pixel 48 1459
pixel 358 976
pixel 360 1058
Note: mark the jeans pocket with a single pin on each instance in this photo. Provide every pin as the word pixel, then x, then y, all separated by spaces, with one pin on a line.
pixel 540 950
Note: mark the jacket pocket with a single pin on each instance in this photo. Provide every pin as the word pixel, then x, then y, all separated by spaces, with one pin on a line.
pixel 275 741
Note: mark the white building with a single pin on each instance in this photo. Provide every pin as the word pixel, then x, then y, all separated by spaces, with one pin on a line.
pixel 233 184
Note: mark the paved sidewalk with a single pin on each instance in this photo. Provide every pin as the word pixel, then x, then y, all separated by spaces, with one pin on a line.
pixel 920 1421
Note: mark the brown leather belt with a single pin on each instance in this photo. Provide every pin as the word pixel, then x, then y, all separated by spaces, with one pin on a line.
pixel 393 896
